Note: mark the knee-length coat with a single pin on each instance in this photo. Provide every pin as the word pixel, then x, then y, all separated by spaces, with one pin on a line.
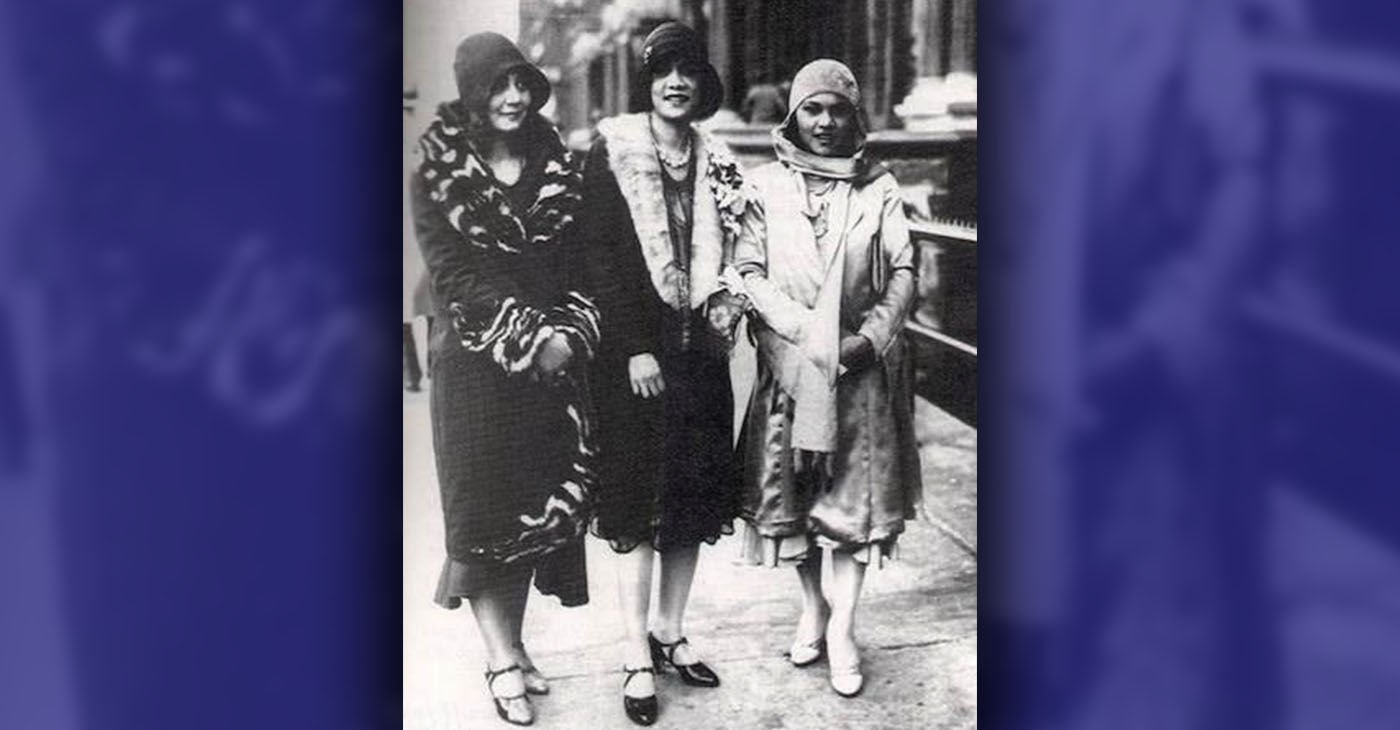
pixel 515 456
pixel 875 479
pixel 668 472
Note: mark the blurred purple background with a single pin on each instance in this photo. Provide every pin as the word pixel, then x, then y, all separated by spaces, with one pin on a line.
pixel 1189 463
pixel 193 202
pixel 1192 364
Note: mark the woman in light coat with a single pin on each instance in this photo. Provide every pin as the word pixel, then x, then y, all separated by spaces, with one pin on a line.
pixel 831 462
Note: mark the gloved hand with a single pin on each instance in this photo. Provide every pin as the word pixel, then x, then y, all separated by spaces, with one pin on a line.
pixel 723 312
pixel 552 358
pixel 856 353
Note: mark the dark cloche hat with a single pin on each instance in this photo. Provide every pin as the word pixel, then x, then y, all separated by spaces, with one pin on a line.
pixel 672 41
pixel 483 58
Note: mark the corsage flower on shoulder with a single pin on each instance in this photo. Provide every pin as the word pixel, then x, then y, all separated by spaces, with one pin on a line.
pixel 727 184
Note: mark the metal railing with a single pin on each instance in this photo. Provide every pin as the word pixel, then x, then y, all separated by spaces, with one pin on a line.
pixel 956 287
pixel 942 329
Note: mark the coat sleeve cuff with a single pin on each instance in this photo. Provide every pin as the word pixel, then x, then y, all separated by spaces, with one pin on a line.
pixel 510 336
pixel 577 318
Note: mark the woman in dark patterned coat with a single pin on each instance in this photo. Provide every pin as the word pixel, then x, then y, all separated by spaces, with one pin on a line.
pixel 493 198
pixel 663 206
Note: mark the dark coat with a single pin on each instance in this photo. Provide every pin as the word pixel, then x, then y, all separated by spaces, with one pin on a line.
pixel 513 455
pixel 667 470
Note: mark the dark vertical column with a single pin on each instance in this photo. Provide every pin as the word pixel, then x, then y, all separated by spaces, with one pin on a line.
pixel 621 96
pixel 609 104
pixel 875 88
pixel 962 49
pixel 902 62
pixel 753 43
pixel 718 39
pixel 931 24
pixel 627 70
pixel 828 31
pixel 945 36
pixel 858 41
pixel 693 12
pixel 597 85
pixel 740 26
pixel 777 34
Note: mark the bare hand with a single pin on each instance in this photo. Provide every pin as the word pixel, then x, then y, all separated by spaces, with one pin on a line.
pixel 553 356
pixel 645 375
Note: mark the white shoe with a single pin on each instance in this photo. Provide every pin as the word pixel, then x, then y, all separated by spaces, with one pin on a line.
pixel 846 678
pixel 847 681
pixel 802 655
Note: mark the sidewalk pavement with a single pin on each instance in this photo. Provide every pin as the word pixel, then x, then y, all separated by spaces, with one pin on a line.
pixel 917 625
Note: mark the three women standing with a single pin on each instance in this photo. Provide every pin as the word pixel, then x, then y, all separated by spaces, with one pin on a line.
pixel 663 204
pixel 831 461
pixel 519 246
pixel 493 199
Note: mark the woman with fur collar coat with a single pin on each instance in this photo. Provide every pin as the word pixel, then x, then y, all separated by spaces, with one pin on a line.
pixel 662 208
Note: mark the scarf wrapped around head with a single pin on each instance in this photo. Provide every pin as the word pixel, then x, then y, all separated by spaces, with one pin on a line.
pixel 823 75
pixel 807 368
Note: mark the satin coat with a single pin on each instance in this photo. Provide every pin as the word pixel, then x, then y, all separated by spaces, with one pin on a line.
pixel 875 481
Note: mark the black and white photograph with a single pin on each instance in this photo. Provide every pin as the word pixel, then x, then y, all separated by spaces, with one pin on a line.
pixel 690 364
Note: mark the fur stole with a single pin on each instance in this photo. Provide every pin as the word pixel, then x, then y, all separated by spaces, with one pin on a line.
pixel 719 206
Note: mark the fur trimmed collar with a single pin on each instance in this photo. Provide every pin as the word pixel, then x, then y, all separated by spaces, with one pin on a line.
pixel 719 206
pixel 473 200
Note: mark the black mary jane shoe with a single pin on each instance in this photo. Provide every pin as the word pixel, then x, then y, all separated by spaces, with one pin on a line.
pixel 491 675
pixel 641 710
pixel 535 683
pixel 695 675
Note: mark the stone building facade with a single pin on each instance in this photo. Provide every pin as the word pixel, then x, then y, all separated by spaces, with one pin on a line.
pixel 914 59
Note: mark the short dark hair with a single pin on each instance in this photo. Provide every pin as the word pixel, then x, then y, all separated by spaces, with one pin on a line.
pixel 711 91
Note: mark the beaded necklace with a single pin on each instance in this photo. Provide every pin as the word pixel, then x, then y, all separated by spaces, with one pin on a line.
pixel 675 160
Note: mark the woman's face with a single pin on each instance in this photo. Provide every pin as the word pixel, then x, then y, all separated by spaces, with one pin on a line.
pixel 675 92
pixel 826 124
pixel 508 104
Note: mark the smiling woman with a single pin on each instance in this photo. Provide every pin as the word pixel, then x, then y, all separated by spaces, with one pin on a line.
pixel 831 461
pixel 661 209
pixel 509 102
pixel 493 199
pixel 826 124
